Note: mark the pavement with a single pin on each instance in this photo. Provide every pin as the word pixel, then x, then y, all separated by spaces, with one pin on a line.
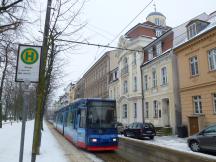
pixel 73 153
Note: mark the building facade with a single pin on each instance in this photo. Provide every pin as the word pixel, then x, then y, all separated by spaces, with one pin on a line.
pixel 129 62
pixel 97 78
pixel 158 84
pixel 196 62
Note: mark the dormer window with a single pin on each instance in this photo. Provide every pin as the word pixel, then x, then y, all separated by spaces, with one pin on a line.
pixel 195 26
pixel 158 49
pixel 192 30
pixel 150 54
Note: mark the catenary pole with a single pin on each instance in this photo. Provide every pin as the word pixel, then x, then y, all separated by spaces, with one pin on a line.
pixel 41 86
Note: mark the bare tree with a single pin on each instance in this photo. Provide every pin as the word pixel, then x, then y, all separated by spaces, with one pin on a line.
pixel 11 14
pixel 64 24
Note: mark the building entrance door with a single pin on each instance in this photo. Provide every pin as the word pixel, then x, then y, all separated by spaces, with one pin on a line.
pixel 193 125
pixel 165 108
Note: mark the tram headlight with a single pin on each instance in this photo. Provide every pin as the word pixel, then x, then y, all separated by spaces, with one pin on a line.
pixel 114 139
pixel 94 140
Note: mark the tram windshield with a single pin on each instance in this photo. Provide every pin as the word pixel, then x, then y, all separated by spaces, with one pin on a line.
pixel 101 115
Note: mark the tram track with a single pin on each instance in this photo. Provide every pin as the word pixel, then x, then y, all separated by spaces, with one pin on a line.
pixel 110 156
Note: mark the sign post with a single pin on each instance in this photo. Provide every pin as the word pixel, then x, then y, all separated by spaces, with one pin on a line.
pixel 27 71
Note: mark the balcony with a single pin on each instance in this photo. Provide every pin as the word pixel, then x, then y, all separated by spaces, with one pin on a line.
pixel 124 70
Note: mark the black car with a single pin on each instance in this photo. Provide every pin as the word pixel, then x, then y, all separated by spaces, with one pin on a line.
pixel 204 140
pixel 140 130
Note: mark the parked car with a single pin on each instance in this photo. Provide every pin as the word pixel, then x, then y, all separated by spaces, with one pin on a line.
pixel 204 140
pixel 140 130
pixel 120 127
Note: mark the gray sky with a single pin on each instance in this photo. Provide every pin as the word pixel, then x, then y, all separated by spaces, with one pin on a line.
pixel 106 18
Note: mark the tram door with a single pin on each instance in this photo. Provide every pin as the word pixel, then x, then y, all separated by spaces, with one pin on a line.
pixel 81 128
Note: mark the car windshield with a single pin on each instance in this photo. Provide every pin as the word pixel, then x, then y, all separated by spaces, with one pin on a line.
pixel 101 117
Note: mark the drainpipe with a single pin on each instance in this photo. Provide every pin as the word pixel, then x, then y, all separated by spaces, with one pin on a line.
pixel 143 112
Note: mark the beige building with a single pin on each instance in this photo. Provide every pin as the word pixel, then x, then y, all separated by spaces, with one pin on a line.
pixel 97 78
pixel 72 92
pixel 196 60
pixel 158 84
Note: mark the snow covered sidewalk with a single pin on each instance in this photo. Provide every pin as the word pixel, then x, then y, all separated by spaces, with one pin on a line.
pixel 54 148
pixel 10 144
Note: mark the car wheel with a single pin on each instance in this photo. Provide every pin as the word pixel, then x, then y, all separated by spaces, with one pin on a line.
pixel 194 146
pixel 151 137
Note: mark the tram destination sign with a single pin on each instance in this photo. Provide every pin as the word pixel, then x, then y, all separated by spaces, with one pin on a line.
pixel 28 63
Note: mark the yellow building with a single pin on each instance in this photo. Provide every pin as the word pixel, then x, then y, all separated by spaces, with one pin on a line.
pixel 196 62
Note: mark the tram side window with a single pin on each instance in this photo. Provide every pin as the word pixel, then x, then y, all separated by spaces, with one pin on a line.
pixel 65 119
pixel 61 119
pixel 83 119
pixel 70 119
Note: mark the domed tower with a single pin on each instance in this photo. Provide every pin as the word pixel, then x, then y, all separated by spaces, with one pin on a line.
pixel 156 18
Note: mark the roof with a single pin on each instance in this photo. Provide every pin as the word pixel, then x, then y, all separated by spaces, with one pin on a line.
pixel 155 13
pixel 209 28
pixel 195 20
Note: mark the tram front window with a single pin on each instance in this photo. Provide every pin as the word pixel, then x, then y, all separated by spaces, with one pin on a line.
pixel 101 117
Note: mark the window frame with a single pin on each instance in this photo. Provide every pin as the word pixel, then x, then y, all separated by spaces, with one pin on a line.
pixel 192 30
pixel 146 109
pixel 150 53
pixel 213 57
pixel 125 115
pixel 154 78
pixel 197 101
pixel 145 82
pixel 125 86
pixel 159 49
pixel 214 102
pixel 164 77
pixel 155 108
pixel 135 110
pixel 135 84
pixel 193 61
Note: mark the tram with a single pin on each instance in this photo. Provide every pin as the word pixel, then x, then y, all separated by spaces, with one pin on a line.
pixel 89 124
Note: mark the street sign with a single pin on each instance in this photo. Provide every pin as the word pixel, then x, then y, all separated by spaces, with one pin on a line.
pixel 28 63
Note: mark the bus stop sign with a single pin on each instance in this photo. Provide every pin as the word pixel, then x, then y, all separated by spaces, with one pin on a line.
pixel 28 63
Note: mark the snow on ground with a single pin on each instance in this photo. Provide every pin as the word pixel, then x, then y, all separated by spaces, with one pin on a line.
pixel 172 142
pixel 10 144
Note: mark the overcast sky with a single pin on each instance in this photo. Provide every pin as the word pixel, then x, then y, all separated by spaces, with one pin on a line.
pixel 106 18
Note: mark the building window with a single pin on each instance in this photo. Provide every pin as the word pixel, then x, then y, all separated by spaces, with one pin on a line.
pixel 212 59
pixel 125 86
pixel 157 21
pixel 146 109
pixel 158 49
pixel 192 30
pixel 155 106
pixel 214 102
pixel 135 84
pixel 194 65
pixel 124 111
pixel 154 79
pixel 158 33
pixel 150 54
pixel 135 110
pixel 134 58
pixel 164 75
pixel 145 82
pixel 197 104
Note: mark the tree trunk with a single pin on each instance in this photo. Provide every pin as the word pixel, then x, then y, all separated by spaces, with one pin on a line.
pixel 2 82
